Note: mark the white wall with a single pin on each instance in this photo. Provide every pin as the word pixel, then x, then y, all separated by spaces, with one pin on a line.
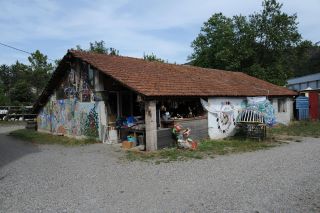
pixel 225 111
pixel 222 123
pixel 283 117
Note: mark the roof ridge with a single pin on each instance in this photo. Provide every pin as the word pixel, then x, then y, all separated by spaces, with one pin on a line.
pixel 154 62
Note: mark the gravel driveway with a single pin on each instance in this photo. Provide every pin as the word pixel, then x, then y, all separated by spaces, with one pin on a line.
pixel 50 178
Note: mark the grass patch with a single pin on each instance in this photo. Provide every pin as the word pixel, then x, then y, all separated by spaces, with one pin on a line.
pixel 12 123
pixel 298 128
pixel 208 148
pixel 45 138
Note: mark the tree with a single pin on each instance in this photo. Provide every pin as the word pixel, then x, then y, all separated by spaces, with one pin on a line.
pixel 224 43
pixel 99 47
pixel 314 61
pixel 21 83
pixel 152 57
pixel 275 30
pixel 21 94
pixel 10 76
pixel 4 100
pixel 41 71
pixel 260 45
pixel 6 77
pixel 306 59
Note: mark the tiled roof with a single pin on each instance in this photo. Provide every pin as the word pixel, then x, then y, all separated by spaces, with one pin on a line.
pixel 162 79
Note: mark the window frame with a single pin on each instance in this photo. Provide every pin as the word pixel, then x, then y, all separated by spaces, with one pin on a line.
pixel 282 105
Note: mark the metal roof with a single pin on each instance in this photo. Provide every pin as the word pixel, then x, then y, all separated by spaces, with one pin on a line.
pixel 303 79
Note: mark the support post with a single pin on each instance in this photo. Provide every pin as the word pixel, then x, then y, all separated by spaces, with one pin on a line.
pixel 103 121
pixel 151 125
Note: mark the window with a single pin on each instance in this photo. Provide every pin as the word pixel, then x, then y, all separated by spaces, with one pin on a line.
pixel 282 105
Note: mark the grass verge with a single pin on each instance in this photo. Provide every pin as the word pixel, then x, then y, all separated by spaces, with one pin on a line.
pixel 298 128
pixel 12 123
pixel 208 148
pixel 44 138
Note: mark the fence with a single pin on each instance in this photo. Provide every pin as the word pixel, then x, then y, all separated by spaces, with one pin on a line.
pixel 15 113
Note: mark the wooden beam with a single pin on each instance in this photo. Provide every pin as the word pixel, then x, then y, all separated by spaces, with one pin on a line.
pixel 151 125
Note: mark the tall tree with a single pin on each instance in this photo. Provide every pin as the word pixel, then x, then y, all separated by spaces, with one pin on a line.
pixel 224 43
pixel 6 77
pixel 21 83
pixel 41 70
pixel 260 45
pixel 4 99
pixel 306 59
pixel 21 93
pixel 276 36
pixel 11 76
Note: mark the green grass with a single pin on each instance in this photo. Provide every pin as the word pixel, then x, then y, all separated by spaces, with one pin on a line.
pixel 208 148
pixel 45 138
pixel 12 123
pixel 298 128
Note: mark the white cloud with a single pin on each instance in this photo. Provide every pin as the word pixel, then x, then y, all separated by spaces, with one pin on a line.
pixel 133 27
pixel 308 17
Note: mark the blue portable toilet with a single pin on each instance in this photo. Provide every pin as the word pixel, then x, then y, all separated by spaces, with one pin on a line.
pixel 302 108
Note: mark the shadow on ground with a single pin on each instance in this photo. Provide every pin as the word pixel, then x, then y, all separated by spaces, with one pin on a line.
pixel 11 149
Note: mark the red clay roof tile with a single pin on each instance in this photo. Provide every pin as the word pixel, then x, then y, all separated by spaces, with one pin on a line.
pixel 162 79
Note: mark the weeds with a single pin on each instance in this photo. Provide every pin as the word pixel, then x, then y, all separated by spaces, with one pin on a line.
pixel 298 128
pixel 45 138
pixel 207 148
pixel 12 123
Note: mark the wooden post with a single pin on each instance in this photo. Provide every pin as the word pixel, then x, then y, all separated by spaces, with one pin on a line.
pixel 151 125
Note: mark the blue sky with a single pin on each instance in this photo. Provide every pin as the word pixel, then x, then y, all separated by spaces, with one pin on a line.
pixel 165 28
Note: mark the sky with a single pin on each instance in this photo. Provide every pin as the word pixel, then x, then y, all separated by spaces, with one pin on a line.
pixel 134 27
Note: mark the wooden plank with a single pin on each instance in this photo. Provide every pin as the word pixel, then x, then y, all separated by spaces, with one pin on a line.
pixel 151 125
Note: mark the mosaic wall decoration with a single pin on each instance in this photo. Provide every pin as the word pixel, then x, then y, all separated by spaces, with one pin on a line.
pixel 263 105
pixel 79 84
pixel 223 113
pixel 70 117
pixel 44 118
pixel 71 110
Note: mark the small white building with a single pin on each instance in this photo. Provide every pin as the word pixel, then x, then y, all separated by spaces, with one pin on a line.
pixel 94 95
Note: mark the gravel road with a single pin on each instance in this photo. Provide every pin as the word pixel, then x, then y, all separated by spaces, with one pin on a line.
pixel 50 178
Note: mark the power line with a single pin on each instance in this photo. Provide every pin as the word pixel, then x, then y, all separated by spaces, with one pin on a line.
pixel 15 48
pixel 29 53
